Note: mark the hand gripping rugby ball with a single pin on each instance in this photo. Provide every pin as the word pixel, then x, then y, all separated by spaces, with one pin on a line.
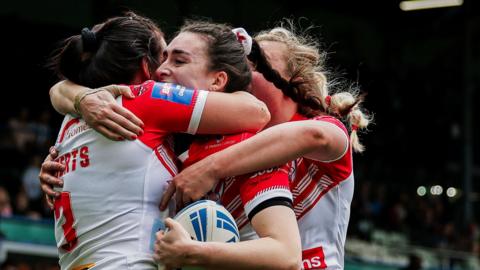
pixel 208 221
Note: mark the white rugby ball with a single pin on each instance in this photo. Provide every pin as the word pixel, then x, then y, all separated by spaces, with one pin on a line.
pixel 208 221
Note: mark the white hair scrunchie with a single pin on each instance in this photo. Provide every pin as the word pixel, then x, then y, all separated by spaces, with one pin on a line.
pixel 244 38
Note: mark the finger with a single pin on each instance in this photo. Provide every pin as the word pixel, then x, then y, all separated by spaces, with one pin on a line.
pixel 117 90
pixel 49 191
pixel 179 200
pixel 186 199
pixel 49 201
pixel 109 134
pixel 126 91
pixel 114 127
pixel 167 196
pixel 159 235
pixel 53 152
pixel 126 119
pixel 156 246
pixel 53 166
pixel 195 196
pixel 51 180
pixel 171 224
pixel 137 122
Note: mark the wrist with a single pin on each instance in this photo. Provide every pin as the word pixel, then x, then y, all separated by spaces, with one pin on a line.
pixel 197 254
pixel 76 101
pixel 215 167
pixel 81 96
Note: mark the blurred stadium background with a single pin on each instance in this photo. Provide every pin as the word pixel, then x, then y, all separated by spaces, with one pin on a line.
pixel 417 185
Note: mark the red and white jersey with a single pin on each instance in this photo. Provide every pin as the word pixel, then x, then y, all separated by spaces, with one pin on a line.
pixel 322 193
pixel 246 195
pixel 107 215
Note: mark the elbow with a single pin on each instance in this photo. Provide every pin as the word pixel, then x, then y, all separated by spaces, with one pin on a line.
pixel 317 139
pixel 54 93
pixel 295 264
pixel 292 257
pixel 292 262
pixel 262 116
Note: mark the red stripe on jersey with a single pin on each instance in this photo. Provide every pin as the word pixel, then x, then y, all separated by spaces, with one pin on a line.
pixel 66 127
pixel 313 179
pixel 166 156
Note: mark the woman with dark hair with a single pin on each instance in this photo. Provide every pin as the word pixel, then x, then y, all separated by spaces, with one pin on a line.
pixel 199 51
pixel 305 127
pixel 106 211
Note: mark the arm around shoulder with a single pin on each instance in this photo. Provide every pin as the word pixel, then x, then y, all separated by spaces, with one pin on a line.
pixel 62 96
pixel 233 113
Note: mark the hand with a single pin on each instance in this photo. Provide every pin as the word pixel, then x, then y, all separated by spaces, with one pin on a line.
pixel 47 177
pixel 102 113
pixel 191 184
pixel 172 248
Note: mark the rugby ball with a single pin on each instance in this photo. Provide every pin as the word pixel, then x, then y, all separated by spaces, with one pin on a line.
pixel 208 221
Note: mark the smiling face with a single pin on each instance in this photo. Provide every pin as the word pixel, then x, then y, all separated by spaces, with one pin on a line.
pixel 186 62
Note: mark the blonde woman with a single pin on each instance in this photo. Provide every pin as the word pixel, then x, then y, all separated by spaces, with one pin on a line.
pixel 305 127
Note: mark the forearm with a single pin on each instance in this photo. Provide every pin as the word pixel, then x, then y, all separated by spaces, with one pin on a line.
pixel 62 96
pixel 277 248
pixel 226 113
pixel 263 253
pixel 271 147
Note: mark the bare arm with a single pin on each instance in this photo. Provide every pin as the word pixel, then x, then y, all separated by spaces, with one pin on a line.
pixel 277 248
pixel 62 96
pixel 99 109
pixel 223 113
pixel 274 146
pixel 232 113
pixel 279 144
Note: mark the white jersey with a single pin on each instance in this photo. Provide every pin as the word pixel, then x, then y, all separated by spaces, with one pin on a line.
pixel 107 215
pixel 322 194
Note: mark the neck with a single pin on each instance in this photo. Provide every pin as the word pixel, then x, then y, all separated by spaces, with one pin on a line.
pixel 138 78
pixel 281 111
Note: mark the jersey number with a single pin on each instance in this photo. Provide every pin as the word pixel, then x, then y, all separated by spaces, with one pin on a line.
pixel 68 230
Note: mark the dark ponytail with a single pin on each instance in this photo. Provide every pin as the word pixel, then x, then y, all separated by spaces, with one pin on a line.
pixel 112 52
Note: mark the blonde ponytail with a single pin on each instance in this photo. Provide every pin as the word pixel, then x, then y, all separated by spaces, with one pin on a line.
pixel 347 105
pixel 306 65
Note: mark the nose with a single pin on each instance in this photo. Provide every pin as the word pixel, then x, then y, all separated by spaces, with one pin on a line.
pixel 161 73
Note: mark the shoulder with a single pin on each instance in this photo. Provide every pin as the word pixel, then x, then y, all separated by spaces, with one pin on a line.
pixel 332 120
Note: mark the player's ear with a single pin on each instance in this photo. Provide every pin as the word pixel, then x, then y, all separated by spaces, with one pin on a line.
pixel 220 79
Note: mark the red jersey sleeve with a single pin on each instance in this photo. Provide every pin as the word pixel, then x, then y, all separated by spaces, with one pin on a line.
pixel 264 189
pixel 165 108
pixel 254 191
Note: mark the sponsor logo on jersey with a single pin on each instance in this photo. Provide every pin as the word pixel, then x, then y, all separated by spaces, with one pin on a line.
pixel 313 259
pixel 173 93
pixel 140 89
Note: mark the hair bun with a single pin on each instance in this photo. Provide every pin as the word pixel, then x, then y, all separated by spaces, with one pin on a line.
pixel 89 40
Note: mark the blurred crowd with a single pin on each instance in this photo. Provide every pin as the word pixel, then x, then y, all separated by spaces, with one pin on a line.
pixel 427 221
pixel 24 141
